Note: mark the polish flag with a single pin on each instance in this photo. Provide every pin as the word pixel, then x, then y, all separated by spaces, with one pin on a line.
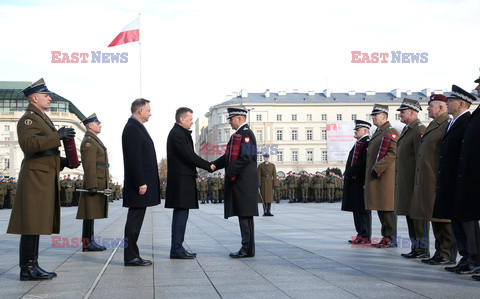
pixel 129 34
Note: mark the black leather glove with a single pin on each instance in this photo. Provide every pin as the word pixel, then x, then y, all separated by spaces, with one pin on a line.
pixel 92 191
pixel 63 162
pixel 375 174
pixel 66 133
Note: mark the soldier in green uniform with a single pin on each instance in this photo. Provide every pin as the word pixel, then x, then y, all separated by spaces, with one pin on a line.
pixel 93 205
pixel 12 190
pixel 216 188
pixel 304 185
pixel 222 188
pixel 3 192
pixel 330 188
pixel 317 183
pixel 267 177
pixel 37 202
pixel 203 189
pixel 69 188
pixel 76 195
pixel 62 191
pixel 291 187
pixel 277 190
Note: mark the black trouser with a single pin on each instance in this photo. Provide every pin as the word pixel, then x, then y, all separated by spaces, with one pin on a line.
pixel 28 249
pixel 247 231
pixel 467 235
pixel 363 224
pixel 132 231
pixel 87 231
pixel 179 224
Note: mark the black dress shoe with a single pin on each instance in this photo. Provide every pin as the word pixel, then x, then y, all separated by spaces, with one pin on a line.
pixel 182 256
pixel 240 254
pixel 191 253
pixel 349 241
pixel 31 272
pixel 91 246
pixel 269 214
pixel 476 277
pixel 468 269
pixel 438 260
pixel 138 262
pixel 410 255
pixel 53 274
pixel 384 243
pixel 455 268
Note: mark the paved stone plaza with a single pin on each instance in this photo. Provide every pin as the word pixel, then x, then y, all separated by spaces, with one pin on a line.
pixel 301 252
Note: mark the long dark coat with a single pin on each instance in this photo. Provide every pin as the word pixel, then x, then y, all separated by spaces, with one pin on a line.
pixel 140 166
pixel 354 179
pixel 241 194
pixel 380 192
pixel 426 175
pixel 36 210
pixel 408 145
pixel 448 168
pixel 467 192
pixel 95 175
pixel 181 169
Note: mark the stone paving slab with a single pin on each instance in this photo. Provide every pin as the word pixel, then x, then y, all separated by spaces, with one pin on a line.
pixel 301 252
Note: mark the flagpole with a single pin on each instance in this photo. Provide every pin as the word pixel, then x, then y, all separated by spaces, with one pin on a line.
pixel 140 54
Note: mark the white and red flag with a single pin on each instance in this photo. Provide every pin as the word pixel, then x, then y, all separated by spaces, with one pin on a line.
pixel 129 34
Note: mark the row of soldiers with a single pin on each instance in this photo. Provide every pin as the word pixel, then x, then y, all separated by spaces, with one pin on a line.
pixel 307 187
pixel 211 189
pixel 68 196
pixel 8 189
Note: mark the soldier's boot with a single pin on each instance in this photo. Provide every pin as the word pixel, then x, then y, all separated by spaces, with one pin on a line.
pixel 28 268
pixel 37 242
pixel 87 237
pixel 269 207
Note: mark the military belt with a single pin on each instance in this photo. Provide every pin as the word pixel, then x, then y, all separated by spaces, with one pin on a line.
pixel 50 152
pixel 103 165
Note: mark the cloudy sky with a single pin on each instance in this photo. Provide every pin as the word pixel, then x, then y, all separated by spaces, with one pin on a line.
pixel 194 53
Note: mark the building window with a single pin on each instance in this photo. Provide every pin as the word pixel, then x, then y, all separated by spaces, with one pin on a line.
pixel 294 117
pixel 259 158
pixel 339 117
pixel 324 156
pixel 279 117
pixel 309 134
pixel 259 117
pixel 324 134
pixel 294 156
pixel 368 116
pixel 309 156
pixel 324 117
pixel 397 116
pixel 227 135
pixel 279 135
pixel 259 135
pixel 6 127
pixel 220 118
pixel 294 134
pixel 309 117
pixel 7 138
pixel 280 156
pixel 6 163
pixel 354 117
pixel 219 136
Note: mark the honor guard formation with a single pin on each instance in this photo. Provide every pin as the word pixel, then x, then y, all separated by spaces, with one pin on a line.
pixel 429 174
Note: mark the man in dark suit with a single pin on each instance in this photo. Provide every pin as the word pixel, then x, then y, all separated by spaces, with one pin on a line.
pixel 181 174
pixel 142 184
pixel 448 172
pixel 241 180
pixel 466 207
pixel 353 197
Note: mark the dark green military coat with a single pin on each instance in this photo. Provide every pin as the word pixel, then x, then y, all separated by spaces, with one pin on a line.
pixel 407 150
pixel 94 162
pixel 380 192
pixel 37 203
pixel 267 178
pixel 426 176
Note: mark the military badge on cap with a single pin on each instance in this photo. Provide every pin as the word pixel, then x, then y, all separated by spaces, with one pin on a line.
pixel 36 87
pixel 361 124
pixel 378 108
pixel 410 104
pixel 28 122
pixel 459 93
pixel 236 111
pixel 92 118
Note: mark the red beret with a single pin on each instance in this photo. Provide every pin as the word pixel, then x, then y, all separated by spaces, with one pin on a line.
pixel 438 97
